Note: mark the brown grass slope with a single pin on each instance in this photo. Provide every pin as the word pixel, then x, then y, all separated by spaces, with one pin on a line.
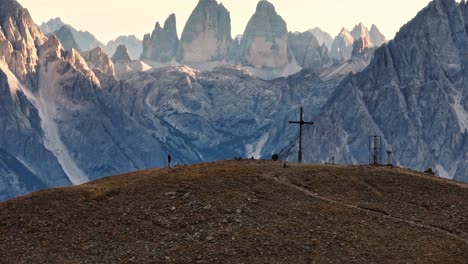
pixel 242 212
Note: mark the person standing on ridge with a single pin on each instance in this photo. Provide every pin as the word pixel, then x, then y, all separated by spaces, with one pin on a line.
pixel 169 159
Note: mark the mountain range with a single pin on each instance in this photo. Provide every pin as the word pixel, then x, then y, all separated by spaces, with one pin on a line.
pixel 266 47
pixel 413 94
pixel 71 115
pixel 87 41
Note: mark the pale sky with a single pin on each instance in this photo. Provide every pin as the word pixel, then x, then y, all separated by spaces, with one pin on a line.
pixel 108 19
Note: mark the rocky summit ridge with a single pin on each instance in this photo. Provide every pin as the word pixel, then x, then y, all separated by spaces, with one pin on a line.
pixel 243 212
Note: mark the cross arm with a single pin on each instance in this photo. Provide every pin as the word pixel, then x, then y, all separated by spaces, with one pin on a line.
pixel 302 123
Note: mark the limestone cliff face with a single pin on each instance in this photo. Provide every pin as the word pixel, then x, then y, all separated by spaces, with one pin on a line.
pixel 102 65
pixel 19 37
pixel 306 50
pixel 124 64
pixel 377 38
pixel 65 35
pixel 265 40
pixel 414 94
pixel 207 34
pixel 342 46
pixel 162 44
pixel 322 37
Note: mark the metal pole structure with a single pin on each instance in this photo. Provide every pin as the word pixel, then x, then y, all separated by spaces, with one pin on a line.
pixel 299 158
pixel 301 122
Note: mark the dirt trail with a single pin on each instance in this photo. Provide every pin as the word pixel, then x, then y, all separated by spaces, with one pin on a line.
pixel 457 235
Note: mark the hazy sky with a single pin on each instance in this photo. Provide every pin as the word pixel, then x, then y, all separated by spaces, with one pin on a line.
pixel 107 19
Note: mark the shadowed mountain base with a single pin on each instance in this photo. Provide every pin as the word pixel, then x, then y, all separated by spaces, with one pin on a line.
pixel 242 212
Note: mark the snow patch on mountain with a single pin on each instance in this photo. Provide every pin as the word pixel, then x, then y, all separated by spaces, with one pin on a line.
pixel 442 172
pixel 255 150
pixel 461 113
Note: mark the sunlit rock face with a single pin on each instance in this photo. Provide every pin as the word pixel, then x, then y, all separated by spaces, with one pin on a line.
pixel 102 65
pixel 265 40
pixel 207 34
pixel 343 44
pixel 19 37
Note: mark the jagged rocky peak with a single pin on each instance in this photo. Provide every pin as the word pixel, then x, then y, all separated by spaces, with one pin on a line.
pixel 361 45
pixel 413 94
pixel 65 35
pixel 51 49
pixel 121 54
pixel 55 62
pixel 52 25
pixel 307 51
pixel 19 37
pixel 265 39
pixel 376 36
pixel 363 52
pixel 342 46
pixel 133 44
pixel 207 34
pixel 124 65
pixel 360 31
pixel 84 39
pixel 322 37
pixel 162 44
pixel 99 61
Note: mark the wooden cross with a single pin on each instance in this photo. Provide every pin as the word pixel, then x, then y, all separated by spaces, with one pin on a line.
pixel 301 123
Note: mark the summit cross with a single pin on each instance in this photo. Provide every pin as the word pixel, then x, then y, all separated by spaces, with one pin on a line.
pixel 301 122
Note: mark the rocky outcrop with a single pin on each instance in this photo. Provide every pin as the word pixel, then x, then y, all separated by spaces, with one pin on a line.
pixel 124 65
pixel 376 36
pixel 207 34
pixel 133 44
pixel 19 37
pixel 84 39
pixel 265 39
pixel 162 44
pixel 233 51
pixel 342 46
pixel 15 178
pixel 413 94
pixel 361 31
pixel 322 37
pixel 121 54
pixel 99 62
pixel 52 25
pixel 65 36
pixel 306 50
